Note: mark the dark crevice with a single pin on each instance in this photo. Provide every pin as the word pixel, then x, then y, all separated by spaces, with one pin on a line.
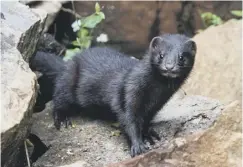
pixel 20 158
pixel 39 147
pixel 32 4
pixel 185 19
pixel 182 124
pixel 155 28
pixel 61 27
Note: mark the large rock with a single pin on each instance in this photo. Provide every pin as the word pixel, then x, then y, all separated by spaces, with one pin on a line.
pixel 52 9
pixel 21 27
pixel 219 146
pixel 96 143
pixel 131 25
pixel 20 30
pixel 217 71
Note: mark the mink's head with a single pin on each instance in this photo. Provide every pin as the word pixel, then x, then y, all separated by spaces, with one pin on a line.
pixel 172 55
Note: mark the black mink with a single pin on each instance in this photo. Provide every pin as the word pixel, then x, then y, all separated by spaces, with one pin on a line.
pixel 133 90
pixel 48 65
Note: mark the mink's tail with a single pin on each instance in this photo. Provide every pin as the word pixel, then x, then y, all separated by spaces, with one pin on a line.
pixel 48 66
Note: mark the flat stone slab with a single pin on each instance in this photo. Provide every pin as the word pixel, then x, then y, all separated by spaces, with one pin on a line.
pixel 95 143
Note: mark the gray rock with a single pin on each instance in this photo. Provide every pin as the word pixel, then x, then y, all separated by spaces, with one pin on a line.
pixel 186 115
pixel 20 29
pixel 92 138
pixel 219 56
pixel 218 146
pixel 52 9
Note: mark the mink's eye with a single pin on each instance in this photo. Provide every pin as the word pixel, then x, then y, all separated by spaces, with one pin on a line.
pixel 161 55
pixel 181 58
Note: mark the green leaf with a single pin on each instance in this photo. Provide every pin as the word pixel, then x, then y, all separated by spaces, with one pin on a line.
pixel 86 44
pixel 237 13
pixel 92 20
pixel 211 19
pixel 102 15
pixel 75 43
pixel 70 53
pixel 83 32
pixel 97 7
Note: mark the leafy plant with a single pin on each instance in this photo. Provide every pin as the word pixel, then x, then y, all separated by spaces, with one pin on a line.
pixel 211 19
pixel 84 28
pixel 237 13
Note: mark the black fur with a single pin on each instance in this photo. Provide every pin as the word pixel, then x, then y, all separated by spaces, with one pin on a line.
pixel 49 65
pixel 132 90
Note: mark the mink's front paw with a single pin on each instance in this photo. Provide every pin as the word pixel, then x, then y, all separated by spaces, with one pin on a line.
pixel 68 122
pixel 58 119
pixel 138 149
pixel 150 134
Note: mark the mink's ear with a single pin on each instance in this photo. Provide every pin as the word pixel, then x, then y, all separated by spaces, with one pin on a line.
pixel 155 43
pixel 192 46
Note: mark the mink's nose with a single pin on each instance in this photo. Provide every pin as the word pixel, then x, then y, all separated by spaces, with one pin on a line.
pixel 169 65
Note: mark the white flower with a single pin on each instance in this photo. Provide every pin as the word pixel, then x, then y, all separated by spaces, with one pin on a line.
pixel 102 38
pixel 76 25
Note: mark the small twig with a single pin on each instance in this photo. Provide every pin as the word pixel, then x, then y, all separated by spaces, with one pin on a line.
pixel 61 52
pixel 74 9
pixel 27 154
pixel 29 143
pixel 71 12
